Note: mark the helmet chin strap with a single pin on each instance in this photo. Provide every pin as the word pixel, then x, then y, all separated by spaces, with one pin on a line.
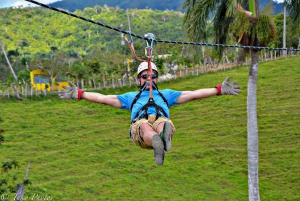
pixel 144 86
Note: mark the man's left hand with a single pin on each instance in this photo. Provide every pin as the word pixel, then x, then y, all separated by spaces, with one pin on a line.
pixel 228 88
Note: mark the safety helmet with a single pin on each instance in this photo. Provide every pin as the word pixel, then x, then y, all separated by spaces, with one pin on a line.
pixel 144 66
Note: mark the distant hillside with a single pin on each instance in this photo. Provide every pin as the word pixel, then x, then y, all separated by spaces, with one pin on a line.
pixel 38 31
pixel 278 7
pixel 72 5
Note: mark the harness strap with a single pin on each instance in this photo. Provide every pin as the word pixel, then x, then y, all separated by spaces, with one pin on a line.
pixel 151 102
pixel 144 110
pixel 142 88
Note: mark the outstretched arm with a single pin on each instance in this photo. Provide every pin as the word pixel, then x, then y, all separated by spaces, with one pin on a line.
pixel 197 94
pixel 111 100
pixel 226 88
pixel 72 92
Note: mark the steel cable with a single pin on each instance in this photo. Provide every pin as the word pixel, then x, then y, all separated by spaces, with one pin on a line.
pixel 155 40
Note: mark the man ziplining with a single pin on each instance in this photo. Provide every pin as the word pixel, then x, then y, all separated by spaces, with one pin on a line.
pixel 151 126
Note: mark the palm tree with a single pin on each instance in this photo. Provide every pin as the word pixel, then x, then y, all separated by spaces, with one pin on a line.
pixel 293 8
pixel 249 28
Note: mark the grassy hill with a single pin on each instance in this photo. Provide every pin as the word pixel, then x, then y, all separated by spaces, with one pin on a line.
pixel 81 151
pixel 38 31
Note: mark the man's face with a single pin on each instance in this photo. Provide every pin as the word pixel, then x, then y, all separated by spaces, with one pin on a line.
pixel 144 77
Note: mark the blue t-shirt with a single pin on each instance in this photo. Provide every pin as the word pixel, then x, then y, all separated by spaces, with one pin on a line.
pixel 170 95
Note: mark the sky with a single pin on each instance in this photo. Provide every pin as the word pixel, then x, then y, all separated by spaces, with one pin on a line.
pixel 10 3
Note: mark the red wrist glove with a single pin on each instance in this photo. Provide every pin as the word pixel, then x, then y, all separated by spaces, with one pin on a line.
pixel 228 88
pixel 80 91
pixel 219 87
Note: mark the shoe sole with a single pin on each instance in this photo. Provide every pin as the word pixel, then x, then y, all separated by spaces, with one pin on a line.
pixel 158 146
pixel 167 136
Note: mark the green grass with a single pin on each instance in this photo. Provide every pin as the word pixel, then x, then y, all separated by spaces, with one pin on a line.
pixel 81 151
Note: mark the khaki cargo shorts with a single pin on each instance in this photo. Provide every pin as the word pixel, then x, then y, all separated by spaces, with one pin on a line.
pixel 135 129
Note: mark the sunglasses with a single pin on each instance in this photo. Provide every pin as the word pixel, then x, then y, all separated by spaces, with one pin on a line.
pixel 145 76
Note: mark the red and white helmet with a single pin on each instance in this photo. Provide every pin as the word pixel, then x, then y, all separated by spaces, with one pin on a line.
pixel 144 66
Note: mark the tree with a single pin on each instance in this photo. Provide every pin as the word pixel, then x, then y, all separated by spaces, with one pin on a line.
pixel 12 72
pixel 6 166
pixel 94 68
pixel 249 29
pixel 13 186
pixel 24 75
pixel 78 70
pixel 293 7
pixel 54 66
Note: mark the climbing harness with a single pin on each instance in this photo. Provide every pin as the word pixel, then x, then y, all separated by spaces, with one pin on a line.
pixel 143 113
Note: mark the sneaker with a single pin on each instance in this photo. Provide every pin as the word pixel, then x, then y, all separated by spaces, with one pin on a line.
pixel 158 146
pixel 166 135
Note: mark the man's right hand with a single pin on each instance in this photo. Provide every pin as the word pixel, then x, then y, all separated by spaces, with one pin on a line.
pixel 71 92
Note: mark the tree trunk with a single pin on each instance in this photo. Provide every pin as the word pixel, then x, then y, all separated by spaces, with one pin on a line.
pixel 26 90
pixel 94 83
pixel 77 82
pixel 20 193
pixel 284 29
pixel 8 92
pixel 252 134
pixel 52 82
pixel 31 90
pixel 12 72
pixel 298 45
pixel 82 83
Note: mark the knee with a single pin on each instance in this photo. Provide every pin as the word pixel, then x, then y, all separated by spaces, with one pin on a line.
pixel 145 126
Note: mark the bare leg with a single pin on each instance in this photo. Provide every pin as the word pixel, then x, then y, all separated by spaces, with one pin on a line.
pixel 153 139
pixel 147 133
pixel 160 127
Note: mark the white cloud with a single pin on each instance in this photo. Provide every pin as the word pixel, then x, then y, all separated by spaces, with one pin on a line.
pixel 16 3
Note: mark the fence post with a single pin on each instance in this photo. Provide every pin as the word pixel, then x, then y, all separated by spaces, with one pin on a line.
pixel 120 82
pixel 124 81
pixel 113 82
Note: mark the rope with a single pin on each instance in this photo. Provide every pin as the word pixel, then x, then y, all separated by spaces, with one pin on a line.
pixel 132 50
pixel 154 40
pixel 149 51
pixel 150 72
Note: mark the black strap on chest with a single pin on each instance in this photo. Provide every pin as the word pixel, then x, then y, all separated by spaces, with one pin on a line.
pixel 151 102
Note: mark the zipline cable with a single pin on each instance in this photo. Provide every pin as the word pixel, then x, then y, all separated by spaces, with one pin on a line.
pixel 155 40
